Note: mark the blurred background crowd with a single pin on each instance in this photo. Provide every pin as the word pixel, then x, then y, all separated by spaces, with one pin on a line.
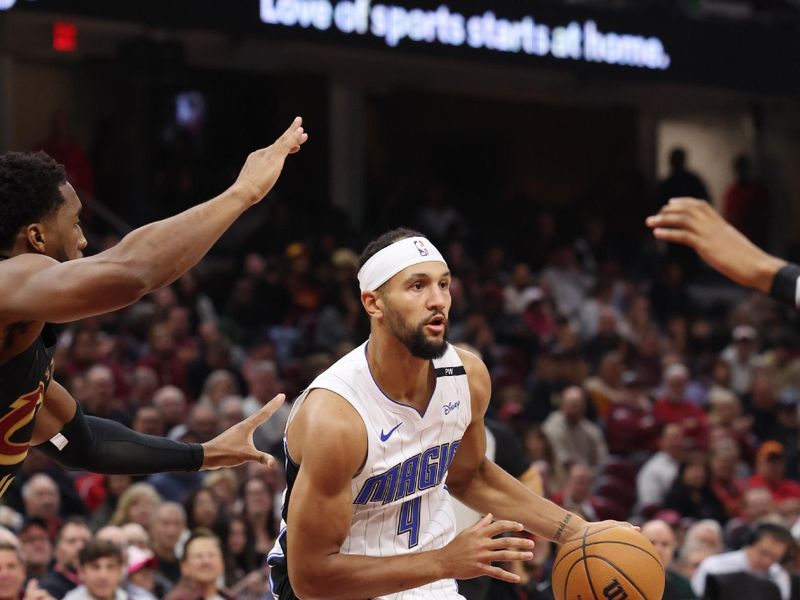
pixel 629 381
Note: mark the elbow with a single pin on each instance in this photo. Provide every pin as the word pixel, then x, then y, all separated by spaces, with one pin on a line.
pixel 133 282
pixel 309 583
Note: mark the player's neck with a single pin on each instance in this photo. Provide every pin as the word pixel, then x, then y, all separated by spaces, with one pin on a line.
pixel 401 376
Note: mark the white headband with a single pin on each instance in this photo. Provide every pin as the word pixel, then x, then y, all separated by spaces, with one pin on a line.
pixel 388 262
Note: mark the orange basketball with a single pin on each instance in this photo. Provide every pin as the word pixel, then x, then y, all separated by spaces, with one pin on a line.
pixel 613 563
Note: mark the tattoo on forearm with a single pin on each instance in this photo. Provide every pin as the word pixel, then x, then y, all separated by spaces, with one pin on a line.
pixel 561 526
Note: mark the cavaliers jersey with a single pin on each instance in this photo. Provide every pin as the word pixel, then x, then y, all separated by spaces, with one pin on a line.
pixel 23 381
pixel 400 501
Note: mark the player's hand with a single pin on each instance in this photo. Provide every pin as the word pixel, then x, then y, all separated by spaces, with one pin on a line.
pixel 473 551
pixel 235 445
pixel 263 167
pixel 695 223
pixel 34 592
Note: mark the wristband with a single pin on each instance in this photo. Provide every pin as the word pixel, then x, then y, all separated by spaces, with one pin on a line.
pixel 786 285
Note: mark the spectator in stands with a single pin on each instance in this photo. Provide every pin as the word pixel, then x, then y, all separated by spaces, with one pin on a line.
pixel 608 339
pixel 166 528
pixel 742 357
pixel 218 385
pixel 13 576
pixel 746 203
pixel 141 582
pixel 573 436
pixel 655 478
pixel 162 357
pixel 681 181
pixel 148 420
pixel 663 538
pixel 565 281
pixel 706 533
pixel 726 419
pixel 780 364
pixel 202 566
pixel 761 557
pixel 788 429
pixel 262 380
pixel 171 404
pixel 539 451
pixel 606 389
pixel 37 548
pixel 231 412
pixel 111 488
pixel 770 473
pixel 240 556
pixel 763 408
pixel 203 511
pixel 102 571
pixel 144 383
pixel 224 484
pixel 691 494
pixel 259 512
pixel 202 422
pixel 674 407
pixel 99 397
pixel 724 461
pixel 42 500
pixel 577 493
pixel 631 428
pixel 757 505
pixel 136 505
pixel 63 577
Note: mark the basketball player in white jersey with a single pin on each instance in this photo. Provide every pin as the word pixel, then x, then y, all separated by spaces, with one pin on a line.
pixel 371 454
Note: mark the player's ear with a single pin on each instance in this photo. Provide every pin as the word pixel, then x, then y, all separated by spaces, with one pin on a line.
pixel 373 303
pixel 35 235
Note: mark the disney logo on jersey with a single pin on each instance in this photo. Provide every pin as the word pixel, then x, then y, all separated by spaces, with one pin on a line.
pixel 450 407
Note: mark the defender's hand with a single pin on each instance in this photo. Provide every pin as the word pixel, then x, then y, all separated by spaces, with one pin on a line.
pixel 263 167
pixel 235 445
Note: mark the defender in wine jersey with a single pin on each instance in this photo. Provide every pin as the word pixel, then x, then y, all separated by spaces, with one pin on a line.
pixel 378 443
pixel 45 278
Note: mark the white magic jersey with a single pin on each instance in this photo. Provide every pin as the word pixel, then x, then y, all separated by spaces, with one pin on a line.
pixel 400 503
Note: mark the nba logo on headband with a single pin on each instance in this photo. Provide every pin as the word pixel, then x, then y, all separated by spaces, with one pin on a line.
pixel 423 251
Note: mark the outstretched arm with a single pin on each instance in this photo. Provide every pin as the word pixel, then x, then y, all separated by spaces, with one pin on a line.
pixel 38 288
pixel 82 442
pixel 695 223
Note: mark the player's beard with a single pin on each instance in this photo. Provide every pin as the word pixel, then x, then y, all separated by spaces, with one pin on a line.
pixel 414 338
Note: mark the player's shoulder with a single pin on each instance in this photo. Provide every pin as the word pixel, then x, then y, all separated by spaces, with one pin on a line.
pixel 473 365
pixel 327 427
pixel 29 262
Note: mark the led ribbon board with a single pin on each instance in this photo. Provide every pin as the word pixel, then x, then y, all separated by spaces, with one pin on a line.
pixel 395 25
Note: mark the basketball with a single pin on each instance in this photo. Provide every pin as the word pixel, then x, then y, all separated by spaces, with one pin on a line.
pixel 613 563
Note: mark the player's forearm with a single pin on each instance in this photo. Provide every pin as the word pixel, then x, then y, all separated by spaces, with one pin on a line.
pixel 493 490
pixel 347 576
pixel 158 253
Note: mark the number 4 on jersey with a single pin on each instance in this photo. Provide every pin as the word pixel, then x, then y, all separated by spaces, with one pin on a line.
pixel 409 521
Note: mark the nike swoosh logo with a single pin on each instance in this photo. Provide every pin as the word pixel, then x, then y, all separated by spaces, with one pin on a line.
pixel 386 436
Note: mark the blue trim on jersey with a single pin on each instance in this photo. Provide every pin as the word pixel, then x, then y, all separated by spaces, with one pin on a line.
pixel 388 397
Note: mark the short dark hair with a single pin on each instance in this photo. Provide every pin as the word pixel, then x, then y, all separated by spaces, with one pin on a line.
pixel 773 530
pixel 387 239
pixel 201 533
pixel 97 549
pixel 78 521
pixel 29 183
